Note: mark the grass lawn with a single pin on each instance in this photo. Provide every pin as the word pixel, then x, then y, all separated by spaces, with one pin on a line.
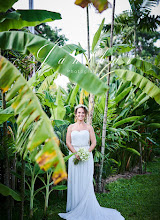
pixel 136 198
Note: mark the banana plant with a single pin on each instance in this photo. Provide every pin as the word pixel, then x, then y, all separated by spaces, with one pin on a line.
pixel 58 113
pixel 23 18
pixel 6 114
pixel 48 186
pixel 32 172
pixel 57 65
pixel 29 111
pixel 59 59
pixel 100 5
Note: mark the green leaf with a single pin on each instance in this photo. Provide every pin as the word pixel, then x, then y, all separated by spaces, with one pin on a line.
pixel 29 18
pixel 59 187
pixel 6 114
pixel 154 125
pixel 67 157
pixel 4 117
pixel 120 48
pixel 127 120
pixel 141 99
pixel 130 149
pixel 70 48
pixel 56 57
pixel 97 35
pixel 145 66
pixel 46 83
pixel 140 81
pixel 11 15
pixel 29 111
pixel 6 191
pixel 59 111
pixel 133 151
pixel 38 15
pixel 72 99
pixel 7 4
pixel 122 95
pixel 60 122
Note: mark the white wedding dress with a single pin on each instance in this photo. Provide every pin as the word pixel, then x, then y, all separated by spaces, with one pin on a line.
pixel 81 200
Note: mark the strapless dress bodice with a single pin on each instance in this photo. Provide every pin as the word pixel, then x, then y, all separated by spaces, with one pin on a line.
pixel 80 138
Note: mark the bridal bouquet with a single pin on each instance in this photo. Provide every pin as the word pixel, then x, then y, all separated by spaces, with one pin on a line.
pixel 83 153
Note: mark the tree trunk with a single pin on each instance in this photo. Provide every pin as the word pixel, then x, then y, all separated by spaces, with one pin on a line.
pixel 100 188
pixel 13 177
pixel 91 96
pixel 88 40
pixel 6 165
pixel 135 41
pixel 91 109
pixel 140 159
pixel 22 188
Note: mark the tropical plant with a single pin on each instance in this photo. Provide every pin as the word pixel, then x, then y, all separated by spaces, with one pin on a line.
pixel 11 19
pixel 135 25
pixel 100 5
pixel 32 114
pixel 51 34
pixel 6 191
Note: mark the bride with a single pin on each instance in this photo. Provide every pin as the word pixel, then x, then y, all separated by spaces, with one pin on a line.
pixel 81 200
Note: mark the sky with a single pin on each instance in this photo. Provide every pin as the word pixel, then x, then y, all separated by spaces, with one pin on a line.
pixel 73 22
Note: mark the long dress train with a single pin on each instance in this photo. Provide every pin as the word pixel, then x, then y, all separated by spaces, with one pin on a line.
pixel 81 200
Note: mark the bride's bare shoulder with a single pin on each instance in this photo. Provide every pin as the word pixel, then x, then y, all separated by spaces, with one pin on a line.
pixel 90 128
pixel 70 127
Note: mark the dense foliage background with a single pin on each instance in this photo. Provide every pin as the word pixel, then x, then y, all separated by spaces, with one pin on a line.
pixel 35 112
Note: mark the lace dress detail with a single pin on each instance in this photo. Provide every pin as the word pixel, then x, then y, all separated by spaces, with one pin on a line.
pixel 81 200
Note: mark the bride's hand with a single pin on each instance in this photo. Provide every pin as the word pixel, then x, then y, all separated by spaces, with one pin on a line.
pixel 77 156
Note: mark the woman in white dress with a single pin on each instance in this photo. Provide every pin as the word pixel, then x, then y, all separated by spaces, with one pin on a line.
pixel 81 200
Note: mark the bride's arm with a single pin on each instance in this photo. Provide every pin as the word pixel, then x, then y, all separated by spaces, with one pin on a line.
pixel 68 141
pixel 93 139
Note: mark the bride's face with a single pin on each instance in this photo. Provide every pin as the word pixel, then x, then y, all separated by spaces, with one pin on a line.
pixel 80 114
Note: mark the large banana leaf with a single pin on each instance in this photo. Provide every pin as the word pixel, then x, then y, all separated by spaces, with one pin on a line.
pixel 28 18
pixel 70 48
pixel 59 111
pixel 100 5
pixel 126 120
pixel 6 114
pixel 154 125
pixel 6 191
pixel 11 15
pixel 145 66
pixel 26 105
pixel 41 75
pixel 119 48
pixel 140 81
pixel 5 5
pixel 132 150
pixel 97 35
pixel 122 95
pixel 56 57
pixel 47 82
pixel 141 99
pixel 73 95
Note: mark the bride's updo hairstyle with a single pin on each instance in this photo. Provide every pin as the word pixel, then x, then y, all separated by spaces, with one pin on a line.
pixel 80 106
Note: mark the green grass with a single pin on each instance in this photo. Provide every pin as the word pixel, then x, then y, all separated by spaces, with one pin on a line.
pixel 136 198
